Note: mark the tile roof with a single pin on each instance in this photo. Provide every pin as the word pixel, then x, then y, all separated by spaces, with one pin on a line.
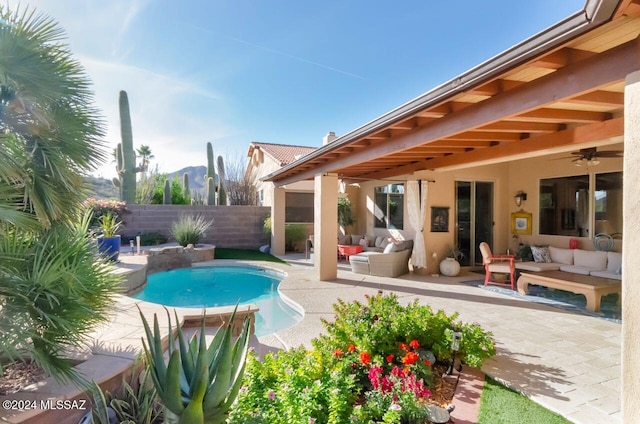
pixel 284 154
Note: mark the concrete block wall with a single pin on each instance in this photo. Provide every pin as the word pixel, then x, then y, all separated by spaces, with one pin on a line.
pixel 237 227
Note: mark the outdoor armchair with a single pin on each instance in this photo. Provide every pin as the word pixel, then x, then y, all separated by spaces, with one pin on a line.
pixel 501 264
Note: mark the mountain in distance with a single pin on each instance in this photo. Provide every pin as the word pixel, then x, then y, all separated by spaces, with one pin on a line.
pixel 101 188
pixel 197 175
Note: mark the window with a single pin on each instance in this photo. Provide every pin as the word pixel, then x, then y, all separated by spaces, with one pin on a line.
pixel 299 207
pixel 389 211
pixel 608 203
pixel 564 205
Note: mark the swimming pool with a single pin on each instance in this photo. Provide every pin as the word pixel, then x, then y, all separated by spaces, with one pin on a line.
pixel 206 287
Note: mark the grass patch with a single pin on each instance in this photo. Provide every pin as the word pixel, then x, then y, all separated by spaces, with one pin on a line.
pixel 242 254
pixel 500 404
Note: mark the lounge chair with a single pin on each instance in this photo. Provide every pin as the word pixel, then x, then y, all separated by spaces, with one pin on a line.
pixel 501 264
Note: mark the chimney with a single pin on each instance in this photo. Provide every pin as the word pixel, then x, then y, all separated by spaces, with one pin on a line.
pixel 328 138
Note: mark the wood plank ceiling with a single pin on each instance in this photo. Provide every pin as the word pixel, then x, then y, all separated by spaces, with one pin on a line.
pixel 569 98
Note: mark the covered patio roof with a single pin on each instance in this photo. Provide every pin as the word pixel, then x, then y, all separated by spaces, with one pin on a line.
pixel 560 90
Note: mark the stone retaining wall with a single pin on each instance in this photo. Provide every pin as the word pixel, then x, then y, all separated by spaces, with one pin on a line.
pixel 238 227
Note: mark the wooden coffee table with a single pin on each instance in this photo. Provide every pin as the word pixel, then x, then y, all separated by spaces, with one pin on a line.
pixel 346 250
pixel 593 288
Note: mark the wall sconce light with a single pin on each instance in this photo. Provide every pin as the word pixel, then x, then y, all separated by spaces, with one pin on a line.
pixel 520 197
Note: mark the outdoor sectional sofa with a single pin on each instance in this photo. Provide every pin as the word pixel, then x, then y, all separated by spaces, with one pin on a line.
pixel 577 261
pixel 392 261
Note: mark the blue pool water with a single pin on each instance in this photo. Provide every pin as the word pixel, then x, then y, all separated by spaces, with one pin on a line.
pixel 208 287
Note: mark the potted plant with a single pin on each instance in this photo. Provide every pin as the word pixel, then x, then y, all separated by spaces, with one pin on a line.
pixel 345 215
pixel 108 241
pixel 450 265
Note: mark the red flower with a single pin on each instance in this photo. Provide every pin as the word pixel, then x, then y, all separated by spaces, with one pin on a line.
pixel 390 358
pixel 410 358
pixel 406 371
pixel 427 362
pixel 338 353
pixel 414 344
pixel 351 348
pixel 365 358
pixel 403 346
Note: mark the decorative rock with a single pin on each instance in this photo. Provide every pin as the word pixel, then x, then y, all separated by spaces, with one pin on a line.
pixel 264 249
pixel 438 415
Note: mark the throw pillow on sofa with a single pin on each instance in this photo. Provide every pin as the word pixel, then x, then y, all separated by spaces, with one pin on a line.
pixel 355 239
pixel 371 241
pixel 389 248
pixel 363 243
pixel 561 256
pixel 541 254
pixel 345 239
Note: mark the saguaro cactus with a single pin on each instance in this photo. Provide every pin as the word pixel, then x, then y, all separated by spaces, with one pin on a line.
pixel 222 192
pixel 212 186
pixel 166 197
pixel 211 192
pixel 125 155
pixel 185 185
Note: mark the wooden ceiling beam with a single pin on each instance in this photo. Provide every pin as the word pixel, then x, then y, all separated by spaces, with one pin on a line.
pixel 457 143
pixel 520 150
pixel 561 58
pixel 435 112
pixel 520 127
pixel 495 136
pixel 408 124
pixel 558 116
pixel 489 89
pixel 600 97
pixel 570 81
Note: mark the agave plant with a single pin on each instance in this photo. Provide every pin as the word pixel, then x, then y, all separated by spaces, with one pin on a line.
pixel 200 383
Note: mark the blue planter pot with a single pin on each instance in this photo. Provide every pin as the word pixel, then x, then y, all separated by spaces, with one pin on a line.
pixel 109 247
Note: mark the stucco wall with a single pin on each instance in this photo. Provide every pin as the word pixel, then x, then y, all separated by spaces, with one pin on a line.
pixel 233 226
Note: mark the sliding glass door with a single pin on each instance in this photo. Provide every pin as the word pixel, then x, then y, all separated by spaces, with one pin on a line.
pixel 474 218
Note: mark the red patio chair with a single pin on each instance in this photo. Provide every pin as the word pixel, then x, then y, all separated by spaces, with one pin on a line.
pixel 502 264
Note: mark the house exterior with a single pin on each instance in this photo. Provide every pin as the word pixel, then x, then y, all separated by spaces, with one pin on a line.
pixel 266 158
pixel 556 117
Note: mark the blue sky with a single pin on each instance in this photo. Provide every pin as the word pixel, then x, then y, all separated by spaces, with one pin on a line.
pixel 280 71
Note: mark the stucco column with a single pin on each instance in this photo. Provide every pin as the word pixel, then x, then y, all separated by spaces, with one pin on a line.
pixel 277 221
pixel 630 249
pixel 325 227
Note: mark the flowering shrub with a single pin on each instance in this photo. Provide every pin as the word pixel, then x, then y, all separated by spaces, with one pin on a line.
pixel 372 366
pixel 101 207
pixel 383 327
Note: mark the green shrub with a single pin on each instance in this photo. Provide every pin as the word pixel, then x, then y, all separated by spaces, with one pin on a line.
pixel 190 229
pixel 293 233
pixel 178 196
pixel 295 386
pixel 379 325
pixel 372 366
pixel 101 207
pixel 345 216
pixel 152 239
pixel 54 292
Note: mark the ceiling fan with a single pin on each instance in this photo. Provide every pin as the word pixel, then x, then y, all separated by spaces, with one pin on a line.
pixel 590 156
